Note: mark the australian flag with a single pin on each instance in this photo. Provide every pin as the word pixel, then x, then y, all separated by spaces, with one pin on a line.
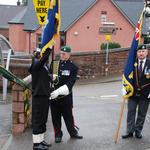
pixel 128 88
pixel 52 26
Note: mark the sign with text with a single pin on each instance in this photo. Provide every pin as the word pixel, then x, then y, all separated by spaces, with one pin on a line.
pixel 41 9
pixel 107 30
pixel 108 37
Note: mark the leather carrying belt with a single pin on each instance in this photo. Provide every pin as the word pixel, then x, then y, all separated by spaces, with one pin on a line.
pixel 55 71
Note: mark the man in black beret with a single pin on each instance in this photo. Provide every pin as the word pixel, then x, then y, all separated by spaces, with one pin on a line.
pixel 141 96
pixel 40 98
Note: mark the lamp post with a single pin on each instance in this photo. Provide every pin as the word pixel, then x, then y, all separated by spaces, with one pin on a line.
pixel 108 37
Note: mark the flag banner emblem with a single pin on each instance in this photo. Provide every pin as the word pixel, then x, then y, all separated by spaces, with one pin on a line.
pixel 128 88
pixel 11 77
pixel 52 26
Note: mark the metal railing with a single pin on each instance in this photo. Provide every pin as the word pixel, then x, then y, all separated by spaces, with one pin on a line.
pixel 8 52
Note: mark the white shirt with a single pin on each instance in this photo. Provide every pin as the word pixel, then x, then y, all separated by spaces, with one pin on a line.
pixel 143 64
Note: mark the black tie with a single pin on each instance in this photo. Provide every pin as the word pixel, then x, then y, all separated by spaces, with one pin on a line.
pixel 140 69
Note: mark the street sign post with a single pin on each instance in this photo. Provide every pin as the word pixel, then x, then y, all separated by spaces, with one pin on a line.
pixel 107 37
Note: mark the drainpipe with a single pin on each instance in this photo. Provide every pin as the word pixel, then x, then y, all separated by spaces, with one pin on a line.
pixel 29 42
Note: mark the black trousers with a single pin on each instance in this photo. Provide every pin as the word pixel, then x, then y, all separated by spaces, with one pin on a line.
pixel 40 108
pixel 58 111
pixel 135 124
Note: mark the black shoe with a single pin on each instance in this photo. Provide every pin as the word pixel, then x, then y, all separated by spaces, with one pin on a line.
pixel 46 144
pixel 138 135
pixel 77 136
pixel 39 147
pixel 58 139
pixel 127 135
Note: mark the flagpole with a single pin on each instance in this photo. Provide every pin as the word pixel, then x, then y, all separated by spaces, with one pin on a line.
pixel 119 122
pixel 51 88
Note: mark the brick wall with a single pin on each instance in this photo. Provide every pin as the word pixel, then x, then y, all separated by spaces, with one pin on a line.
pixel 19 120
pixel 93 64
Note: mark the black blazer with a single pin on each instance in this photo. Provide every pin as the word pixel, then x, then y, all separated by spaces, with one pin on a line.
pixel 40 76
pixel 144 82
pixel 67 74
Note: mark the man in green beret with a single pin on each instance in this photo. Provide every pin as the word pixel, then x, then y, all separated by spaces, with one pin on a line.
pixel 141 95
pixel 65 49
pixel 61 99
pixel 142 46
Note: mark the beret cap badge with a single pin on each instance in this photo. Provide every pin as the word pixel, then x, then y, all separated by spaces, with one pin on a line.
pixel 65 49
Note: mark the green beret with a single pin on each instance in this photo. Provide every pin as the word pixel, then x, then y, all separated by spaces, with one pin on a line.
pixel 65 49
pixel 142 46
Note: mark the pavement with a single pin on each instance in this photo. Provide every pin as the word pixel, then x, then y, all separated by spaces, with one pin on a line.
pixel 97 105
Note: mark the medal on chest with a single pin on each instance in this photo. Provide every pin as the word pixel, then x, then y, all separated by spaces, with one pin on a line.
pixel 147 72
pixel 65 73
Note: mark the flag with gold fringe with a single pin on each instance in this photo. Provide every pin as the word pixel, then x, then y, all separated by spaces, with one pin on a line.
pixel 52 26
pixel 11 77
pixel 128 88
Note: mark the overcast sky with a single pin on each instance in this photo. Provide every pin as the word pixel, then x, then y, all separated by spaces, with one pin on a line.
pixel 8 2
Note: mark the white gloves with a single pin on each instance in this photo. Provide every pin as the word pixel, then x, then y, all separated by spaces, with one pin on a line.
pixel 54 77
pixel 148 95
pixel 63 90
pixel 51 46
pixel 124 92
pixel 28 79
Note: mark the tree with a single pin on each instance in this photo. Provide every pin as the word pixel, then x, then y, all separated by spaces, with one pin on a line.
pixel 111 45
pixel 24 2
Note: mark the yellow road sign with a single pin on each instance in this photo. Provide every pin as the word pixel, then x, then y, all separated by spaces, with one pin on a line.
pixel 107 37
pixel 41 9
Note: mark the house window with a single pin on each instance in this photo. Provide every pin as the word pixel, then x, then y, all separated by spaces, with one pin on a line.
pixel 103 12
pixel 103 19
pixel 63 40
pixel 38 40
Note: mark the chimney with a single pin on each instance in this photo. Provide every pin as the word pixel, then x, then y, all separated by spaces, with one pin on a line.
pixel 18 3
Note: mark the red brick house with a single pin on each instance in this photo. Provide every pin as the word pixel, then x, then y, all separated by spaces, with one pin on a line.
pixel 8 12
pixel 83 25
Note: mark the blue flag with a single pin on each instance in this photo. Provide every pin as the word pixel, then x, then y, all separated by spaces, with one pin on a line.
pixel 52 26
pixel 128 71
